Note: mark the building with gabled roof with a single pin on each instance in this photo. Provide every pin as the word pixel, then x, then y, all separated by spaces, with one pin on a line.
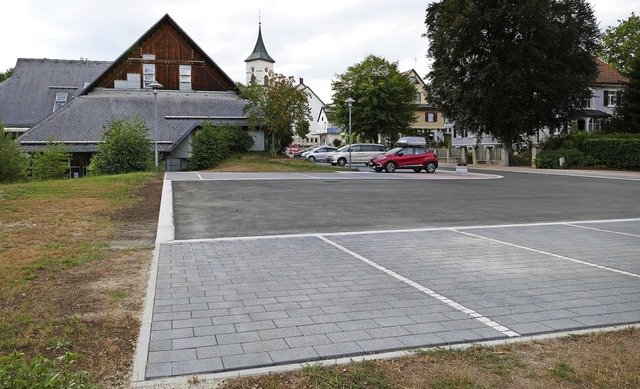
pixel 41 86
pixel 194 89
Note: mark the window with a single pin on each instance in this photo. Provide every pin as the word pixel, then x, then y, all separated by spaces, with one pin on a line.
pixel 413 80
pixel 148 74
pixel 185 77
pixel 610 98
pixel 431 117
pixel 418 97
pixel 586 103
pixel 61 99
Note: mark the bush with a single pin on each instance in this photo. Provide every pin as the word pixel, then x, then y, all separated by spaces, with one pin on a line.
pixel 13 162
pixel 551 159
pixel 211 145
pixel 18 373
pixel 612 151
pixel 125 148
pixel 52 162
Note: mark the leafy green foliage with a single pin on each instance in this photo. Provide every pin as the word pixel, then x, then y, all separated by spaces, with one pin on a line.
pixel 17 372
pixel 281 108
pixel 52 162
pixel 13 162
pixel 621 44
pixel 125 148
pixel 384 100
pixel 627 113
pixel 613 151
pixel 495 71
pixel 211 145
pixel 6 74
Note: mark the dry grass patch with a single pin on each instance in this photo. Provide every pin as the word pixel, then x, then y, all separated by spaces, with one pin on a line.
pixel 604 360
pixel 74 256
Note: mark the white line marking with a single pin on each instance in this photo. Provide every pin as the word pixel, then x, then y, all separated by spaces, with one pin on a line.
pixel 484 320
pixel 307 235
pixel 576 174
pixel 602 230
pixel 199 176
pixel 548 253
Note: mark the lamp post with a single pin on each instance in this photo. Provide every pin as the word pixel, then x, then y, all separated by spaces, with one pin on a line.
pixel 155 85
pixel 350 102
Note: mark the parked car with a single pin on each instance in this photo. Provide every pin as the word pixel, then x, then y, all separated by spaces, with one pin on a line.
pixel 360 153
pixel 405 157
pixel 298 154
pixel 319 154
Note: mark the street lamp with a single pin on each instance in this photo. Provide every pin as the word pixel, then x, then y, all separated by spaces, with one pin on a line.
pixel 350 102
pixel 155 85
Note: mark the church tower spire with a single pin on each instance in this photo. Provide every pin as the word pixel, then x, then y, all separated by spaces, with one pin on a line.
pixel 259 63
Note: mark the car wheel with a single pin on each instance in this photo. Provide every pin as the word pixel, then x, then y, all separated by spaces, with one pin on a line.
pixel 312 158
pixel 417 170
pixel 342 161
pixel 390 167
pixel 430 167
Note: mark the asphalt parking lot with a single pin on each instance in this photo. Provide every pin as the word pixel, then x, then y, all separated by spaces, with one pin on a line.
pixel 262 271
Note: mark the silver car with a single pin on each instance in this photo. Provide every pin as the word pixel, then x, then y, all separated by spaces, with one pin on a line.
pixel 360 153
pixel 318 154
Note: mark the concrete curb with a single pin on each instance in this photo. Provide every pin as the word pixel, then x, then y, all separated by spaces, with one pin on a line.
pixel 165 232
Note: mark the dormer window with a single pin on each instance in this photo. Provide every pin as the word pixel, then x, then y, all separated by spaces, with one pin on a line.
pixel 61 99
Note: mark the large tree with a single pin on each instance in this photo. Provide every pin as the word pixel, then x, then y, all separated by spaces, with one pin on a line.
pixel 280 108
pixel 506 68
pixel 621 44
pixel 384 100
pixel 627 112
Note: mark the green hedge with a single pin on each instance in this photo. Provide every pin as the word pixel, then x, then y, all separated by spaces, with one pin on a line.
pixel 611 151
pixel 614 153
pixel 212 144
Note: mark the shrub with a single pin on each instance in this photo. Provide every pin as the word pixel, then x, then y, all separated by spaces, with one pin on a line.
pixel 13 162
pixel 551 159
pixel 211 145
pixel 52 162
pixel 125 148
pixel 18 373
pixel 616 153
pixel 337 142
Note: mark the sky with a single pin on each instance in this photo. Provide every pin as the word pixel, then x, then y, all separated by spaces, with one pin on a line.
pixel 312 40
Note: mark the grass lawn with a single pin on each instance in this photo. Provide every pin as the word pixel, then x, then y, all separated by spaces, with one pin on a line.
pixel 74 260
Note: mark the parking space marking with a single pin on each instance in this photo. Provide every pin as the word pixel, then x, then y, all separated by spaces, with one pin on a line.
pixel 473 314
pixel 199 176
pixel 602 230
pixel 548 253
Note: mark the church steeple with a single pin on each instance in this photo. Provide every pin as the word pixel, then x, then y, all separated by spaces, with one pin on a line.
pixel 260 52
pixel 259 63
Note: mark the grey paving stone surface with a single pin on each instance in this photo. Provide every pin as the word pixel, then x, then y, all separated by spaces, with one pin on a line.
pixel 225 305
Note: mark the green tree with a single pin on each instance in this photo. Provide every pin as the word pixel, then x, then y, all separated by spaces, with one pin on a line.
pixel 627 113
pixel 125 148
pixel 13 162
pixel 621 44
pixel 52 162
pixel 211 145
pixel 507 68
pixel 280 108
pixel 384 100
pixel 6 74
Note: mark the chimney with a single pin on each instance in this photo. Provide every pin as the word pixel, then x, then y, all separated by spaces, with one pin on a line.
pixel 301 81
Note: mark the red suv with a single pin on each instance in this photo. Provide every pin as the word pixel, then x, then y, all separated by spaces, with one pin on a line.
pixel 405 157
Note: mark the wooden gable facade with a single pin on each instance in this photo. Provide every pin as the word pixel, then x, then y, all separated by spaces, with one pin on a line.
pixel 166 54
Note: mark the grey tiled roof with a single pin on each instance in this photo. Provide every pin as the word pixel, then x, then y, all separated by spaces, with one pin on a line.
pixel 28 96
pixel 81 122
